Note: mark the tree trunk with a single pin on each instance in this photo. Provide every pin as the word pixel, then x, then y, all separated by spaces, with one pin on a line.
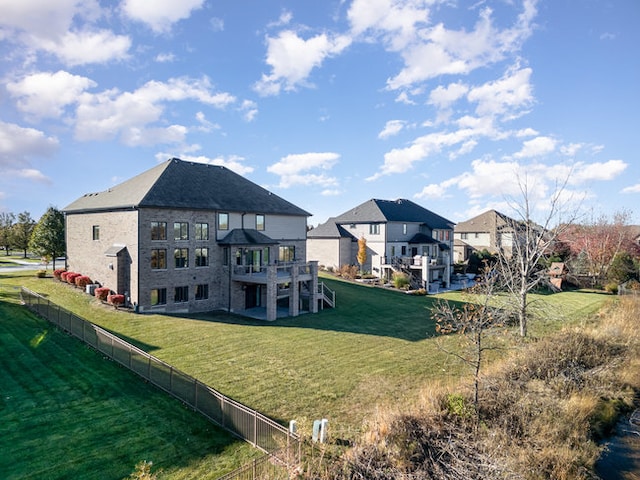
pixel 522 313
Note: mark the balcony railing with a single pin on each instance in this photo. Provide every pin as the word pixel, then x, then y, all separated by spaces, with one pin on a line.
pixel 282 270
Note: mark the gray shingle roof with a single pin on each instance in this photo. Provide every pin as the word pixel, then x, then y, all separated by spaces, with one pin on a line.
pixel 247 236
pixel 488 221
pixel 180 184
pixel 329 229
pixel 401 210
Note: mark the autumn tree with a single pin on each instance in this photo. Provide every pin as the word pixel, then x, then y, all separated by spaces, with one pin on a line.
pixel 595 244
pixel 6 225
pixel 21 232
pixel 362 252
pixel 48 236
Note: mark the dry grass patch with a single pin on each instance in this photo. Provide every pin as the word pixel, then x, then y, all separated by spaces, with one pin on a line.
pixel 541 412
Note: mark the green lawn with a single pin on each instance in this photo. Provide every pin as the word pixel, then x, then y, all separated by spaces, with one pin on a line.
pixel 66 412
pixel 377 347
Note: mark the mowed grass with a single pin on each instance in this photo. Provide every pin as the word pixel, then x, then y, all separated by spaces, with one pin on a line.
pixel 66 412
pixel 378 347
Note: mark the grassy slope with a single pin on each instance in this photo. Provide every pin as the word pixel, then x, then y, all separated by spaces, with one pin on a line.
pixel 65 412
pixel 376 347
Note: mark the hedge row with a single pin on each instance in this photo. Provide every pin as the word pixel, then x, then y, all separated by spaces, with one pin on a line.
pixel 81 281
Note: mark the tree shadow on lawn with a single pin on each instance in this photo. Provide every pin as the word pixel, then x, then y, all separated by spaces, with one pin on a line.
pixel 360 309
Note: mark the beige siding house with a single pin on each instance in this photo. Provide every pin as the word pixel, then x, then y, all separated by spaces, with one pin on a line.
pixel 400 234
pixel 491 231
pixel 191 237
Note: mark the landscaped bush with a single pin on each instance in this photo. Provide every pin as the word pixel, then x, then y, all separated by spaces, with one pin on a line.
pixel 348 271
pixel 63 276
pixel 611 287
pixel 71 277
pixel 41 273
pixel 101 293
pixel 400 280
pixel 57 273
pixel 82 281
pixel 116 300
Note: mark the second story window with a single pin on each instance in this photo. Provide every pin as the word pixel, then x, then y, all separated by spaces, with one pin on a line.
pixel 181 256
pixel 223 221
pixel 202 231
pixel 181 231
pixel 404 228
pixel 158 259
pixel 374 229
pixel 259 222
pixel 158 230
pixel 96 232
pixel 202 257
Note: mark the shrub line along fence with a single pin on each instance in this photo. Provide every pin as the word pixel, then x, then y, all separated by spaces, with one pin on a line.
pixel 281 446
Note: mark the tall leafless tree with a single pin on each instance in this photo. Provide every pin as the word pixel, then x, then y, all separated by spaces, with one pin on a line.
pixel 534 231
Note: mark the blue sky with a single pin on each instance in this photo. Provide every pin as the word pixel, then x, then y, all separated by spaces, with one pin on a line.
pixel 451 104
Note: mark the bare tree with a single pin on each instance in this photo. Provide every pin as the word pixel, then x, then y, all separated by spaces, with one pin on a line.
pixel 522 267
pixel 473 319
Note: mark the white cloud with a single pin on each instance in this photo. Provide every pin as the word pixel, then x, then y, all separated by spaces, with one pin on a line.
pixel 572 149
pixel 50 27
pixel 443 97
pixel 400 160
pixel 537 147
pixel 294 169
pixel 130 115
pixel 505 96
pixel 292 59
pixel 489 180
pixel 599 171
pixel 632 189
pixel 160 15
pixel 396 22
pixel 80 48
pixel 391 128
pixel 165 57
pixel 32 174
pixel 435 50
pixel 249 110
pixel 46 94
pixel 18 144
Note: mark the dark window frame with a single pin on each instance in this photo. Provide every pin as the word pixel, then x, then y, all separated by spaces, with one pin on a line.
pixel 181 294
pixel 180 231
pixel 181 257
pixel 202 291
pixel 158 231
pixel 160 296
pixel 202 231
pixel 158 259
pixel 202 260
pixel 95 232
pixel 223 225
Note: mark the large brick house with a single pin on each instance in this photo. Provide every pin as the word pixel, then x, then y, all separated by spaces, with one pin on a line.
pixel 401 236
pixel 192 237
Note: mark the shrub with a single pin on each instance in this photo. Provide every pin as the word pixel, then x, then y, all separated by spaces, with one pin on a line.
pixel 63 276
pixel 349 271
pixel 400 280
pixel 57 273
pixel 116 300
pixel 41 273
pixel 71 277
pixel 611 287
pixel 82 281
pixel 102 293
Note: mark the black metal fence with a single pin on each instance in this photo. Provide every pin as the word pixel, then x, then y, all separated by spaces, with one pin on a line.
pixel 282 446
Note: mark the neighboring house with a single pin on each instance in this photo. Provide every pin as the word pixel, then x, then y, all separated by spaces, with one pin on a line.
pixel 400 236
pixel 192 237
pixel 491 230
